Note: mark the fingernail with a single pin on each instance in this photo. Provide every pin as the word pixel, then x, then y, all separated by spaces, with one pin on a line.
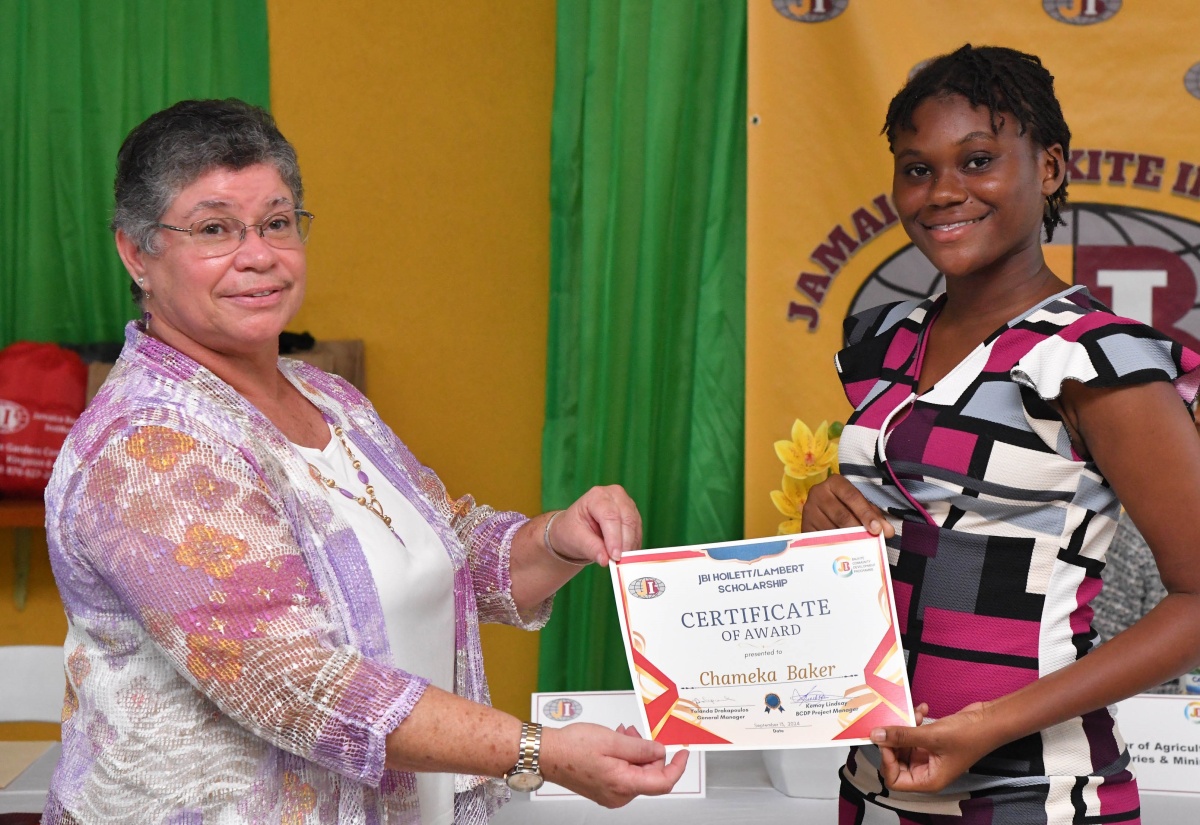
pixel 879 735
pixel 875 527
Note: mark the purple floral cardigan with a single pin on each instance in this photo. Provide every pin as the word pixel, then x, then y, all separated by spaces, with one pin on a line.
pixel 226 654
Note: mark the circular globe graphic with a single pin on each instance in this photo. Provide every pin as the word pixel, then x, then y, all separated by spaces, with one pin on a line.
pixel 810 11
pixel 1081 12
pixel 1191 81
pixel 1142 263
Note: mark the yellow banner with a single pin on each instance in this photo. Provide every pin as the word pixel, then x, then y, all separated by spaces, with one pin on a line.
pixel 823 238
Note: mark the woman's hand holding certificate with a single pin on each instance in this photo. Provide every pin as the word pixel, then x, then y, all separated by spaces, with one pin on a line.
pixel 784 642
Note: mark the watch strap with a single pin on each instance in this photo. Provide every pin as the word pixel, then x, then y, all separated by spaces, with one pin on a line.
pixel 529 757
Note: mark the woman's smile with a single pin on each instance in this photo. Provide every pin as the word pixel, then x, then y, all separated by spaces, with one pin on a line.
pixel 952 230
pixel 259 296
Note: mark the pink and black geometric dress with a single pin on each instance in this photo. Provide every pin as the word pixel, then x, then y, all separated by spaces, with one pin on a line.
pixel 1001 534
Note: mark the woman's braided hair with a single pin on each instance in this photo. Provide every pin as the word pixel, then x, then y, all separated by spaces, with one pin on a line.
pixel 1003 80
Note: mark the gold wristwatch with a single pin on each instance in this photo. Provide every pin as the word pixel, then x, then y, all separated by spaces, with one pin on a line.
pixel 526 775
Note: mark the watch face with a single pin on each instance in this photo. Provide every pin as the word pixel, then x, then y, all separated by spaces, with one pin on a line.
pixel 524 781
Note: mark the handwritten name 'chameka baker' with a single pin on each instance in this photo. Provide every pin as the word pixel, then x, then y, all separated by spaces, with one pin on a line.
pixel 760 676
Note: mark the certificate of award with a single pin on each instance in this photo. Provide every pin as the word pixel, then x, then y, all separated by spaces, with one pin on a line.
pixel 784 642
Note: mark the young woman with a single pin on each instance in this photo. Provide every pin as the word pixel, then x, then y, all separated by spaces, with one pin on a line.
pixel 995 428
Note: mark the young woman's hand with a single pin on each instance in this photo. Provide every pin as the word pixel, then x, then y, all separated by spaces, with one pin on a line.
pixel 930 756
pixel 835 503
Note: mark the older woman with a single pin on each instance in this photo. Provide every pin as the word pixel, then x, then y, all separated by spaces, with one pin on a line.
pixel 272 605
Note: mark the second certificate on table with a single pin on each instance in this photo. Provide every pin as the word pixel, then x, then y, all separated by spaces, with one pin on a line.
pixel 785 642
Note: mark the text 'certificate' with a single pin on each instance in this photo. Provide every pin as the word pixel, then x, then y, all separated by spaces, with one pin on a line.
pixel 785 642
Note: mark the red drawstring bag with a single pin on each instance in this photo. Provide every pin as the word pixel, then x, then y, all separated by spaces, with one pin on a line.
pixel 42 388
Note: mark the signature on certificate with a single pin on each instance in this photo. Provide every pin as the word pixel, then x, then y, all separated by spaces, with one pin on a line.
pixel 812 695
pixel 714 703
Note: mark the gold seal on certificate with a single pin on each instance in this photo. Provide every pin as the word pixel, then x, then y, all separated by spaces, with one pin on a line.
pixel 784 642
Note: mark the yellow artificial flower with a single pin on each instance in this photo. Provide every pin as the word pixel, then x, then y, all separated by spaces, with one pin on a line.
pixel 808 453
pixel 790 502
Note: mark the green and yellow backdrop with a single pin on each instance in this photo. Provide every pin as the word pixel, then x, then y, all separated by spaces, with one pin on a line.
pixel 584 241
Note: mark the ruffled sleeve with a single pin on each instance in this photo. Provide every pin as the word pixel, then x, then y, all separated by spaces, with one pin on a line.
pixel 1099 350
pixel 1102 350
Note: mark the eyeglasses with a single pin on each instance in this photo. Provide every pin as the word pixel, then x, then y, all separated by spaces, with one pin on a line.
pixel 214 237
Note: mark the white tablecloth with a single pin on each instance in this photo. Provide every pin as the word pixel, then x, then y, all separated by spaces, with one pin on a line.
pixel 739 791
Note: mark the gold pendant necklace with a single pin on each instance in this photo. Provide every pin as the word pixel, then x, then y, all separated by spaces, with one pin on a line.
pixel 368 501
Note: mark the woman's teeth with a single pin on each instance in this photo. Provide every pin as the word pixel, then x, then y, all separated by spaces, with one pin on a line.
pixel 948 226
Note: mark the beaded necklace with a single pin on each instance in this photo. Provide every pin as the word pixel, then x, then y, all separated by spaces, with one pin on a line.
pixel 368 501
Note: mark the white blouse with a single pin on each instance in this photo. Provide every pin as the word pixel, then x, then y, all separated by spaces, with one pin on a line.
pixel 415 581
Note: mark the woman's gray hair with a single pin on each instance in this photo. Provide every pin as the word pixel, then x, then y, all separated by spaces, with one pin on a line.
pixel 173 148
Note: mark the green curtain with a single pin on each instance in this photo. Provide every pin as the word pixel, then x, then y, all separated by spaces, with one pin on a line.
pixel 75 77
pixel 646 368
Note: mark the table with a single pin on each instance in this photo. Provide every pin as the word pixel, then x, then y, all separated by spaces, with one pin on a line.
pixel 22 516
pixel 740 793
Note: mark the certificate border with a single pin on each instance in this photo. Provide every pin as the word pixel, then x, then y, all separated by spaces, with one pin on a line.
pixel 856 733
